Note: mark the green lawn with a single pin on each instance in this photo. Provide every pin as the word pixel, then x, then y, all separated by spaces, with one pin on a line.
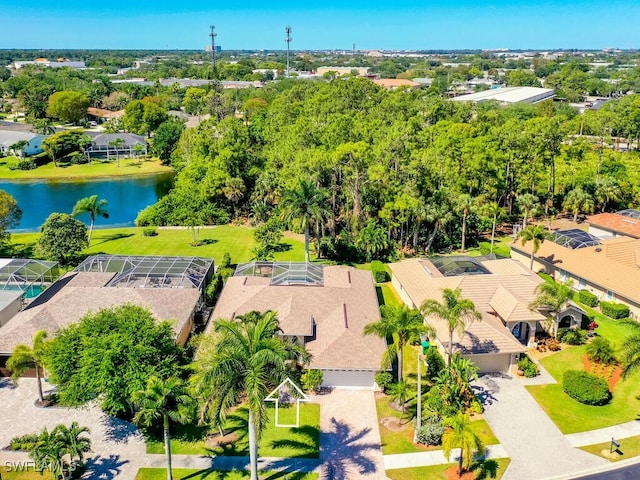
pixel 92 170
pixel 402 442
pixel 129 241
pixel 11 474
pixel 571 416
pixel 303 442
pixel 387 295
pixel 629 447
pixel 193 474
pixel 489 469
pixel 501 247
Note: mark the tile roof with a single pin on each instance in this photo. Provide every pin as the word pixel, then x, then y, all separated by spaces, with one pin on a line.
pixel 395 83
pixel 616 223
pixel 340 309
pixel 614 265
pixel 79 293
pixel 507 291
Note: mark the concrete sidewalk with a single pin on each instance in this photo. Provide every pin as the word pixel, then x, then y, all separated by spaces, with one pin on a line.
pixel 602 435
pixel 434 457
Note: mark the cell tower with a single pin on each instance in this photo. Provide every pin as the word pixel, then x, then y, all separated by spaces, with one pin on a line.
pixel 213 36
pixel 288 40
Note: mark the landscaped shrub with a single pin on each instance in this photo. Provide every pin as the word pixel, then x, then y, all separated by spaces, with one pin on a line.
pixel 528 368
pixel 614 310
pixel 311 380
pixel 430 433
pixel 587 298
pixel 586 388
pixel 435 362
pixel 25 442
pixel 600 350
pixel 149 232
pixel 574 337
pixel 380 275
pixel 383 379
pixel 26 164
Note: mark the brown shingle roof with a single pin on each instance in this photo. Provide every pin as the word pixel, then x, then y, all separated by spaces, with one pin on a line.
pixel 616 223
pixel 338 343
pixel 81 293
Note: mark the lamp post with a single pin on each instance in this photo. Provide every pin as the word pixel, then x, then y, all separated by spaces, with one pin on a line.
pixel 419 397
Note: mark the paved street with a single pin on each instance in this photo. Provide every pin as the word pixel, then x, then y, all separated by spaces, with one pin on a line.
pixel 536 447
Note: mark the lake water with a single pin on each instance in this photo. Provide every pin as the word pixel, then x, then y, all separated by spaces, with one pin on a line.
pixel 125 197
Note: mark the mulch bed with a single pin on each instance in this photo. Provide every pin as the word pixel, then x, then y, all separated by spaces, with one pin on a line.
pixel 452 474
pixel 393 424
pixel 612 373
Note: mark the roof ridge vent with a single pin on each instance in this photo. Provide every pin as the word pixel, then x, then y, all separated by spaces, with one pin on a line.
pixel 346 320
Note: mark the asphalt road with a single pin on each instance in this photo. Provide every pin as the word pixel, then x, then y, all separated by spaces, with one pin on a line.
pixel 626 473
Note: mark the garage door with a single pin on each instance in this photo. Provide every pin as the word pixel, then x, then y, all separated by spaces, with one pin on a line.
pixel 348 378
pixel 491 363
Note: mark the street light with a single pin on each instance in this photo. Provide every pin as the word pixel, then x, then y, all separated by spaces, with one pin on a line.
pixel 419 393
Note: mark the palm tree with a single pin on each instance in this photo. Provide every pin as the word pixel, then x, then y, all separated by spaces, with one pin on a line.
pixel 163 399
pixel 401 325
pixel 92 206
pixel 19 147
pixel 607 190
pixel 74 443
pixel 243 359
pixel 48 451
pixel 630 351
pixel 399 393
pixel 576 201
pixel 302 205
pixel 493 211
pixel 536 234
pixel 25 357
pixel 454 310
pixel 461 435
pixel 526 202
pixel 552 295
pixel 464 204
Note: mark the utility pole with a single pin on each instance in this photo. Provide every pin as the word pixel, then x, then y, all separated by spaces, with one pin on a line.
pixel 213 36
pixel 287 39
pixel 419 405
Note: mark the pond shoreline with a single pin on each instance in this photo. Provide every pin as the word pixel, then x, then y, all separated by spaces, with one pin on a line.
pixel 85 178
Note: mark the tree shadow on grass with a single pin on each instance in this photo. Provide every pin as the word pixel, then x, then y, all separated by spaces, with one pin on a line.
pixel 109 238
pixel 306 447
pixel 485 469
pixel 103 468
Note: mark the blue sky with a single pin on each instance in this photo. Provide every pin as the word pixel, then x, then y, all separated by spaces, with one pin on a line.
pixel 330 24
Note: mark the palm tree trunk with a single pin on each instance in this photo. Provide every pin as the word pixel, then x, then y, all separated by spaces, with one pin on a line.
pixel 167 445
pixel 460 464
pixel 306 242
pixel 90 233
pixel 400 361
pixel 253 447
pixel 450 348
pixel 464 230
pixel 493 231
pixel 40 396
pixel 531 264
pixel 575 216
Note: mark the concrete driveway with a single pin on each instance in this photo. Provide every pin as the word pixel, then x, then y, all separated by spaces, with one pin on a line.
pixel 117 446
pixel 350 445
pixel 536 446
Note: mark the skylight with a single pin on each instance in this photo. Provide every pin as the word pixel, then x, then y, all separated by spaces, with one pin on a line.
pixel 454 266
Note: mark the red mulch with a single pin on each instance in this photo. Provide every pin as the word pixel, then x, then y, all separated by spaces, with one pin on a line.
pixel 452 474
pixel 604 371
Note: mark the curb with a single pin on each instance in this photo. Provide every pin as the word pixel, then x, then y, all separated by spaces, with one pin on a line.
pixel 603 469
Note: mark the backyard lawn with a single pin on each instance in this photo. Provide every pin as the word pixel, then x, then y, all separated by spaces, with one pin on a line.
pixel 302 442
pixel 629 447
pixel 93 170
pixel 489 469
pixel 29 474
pixel 171 241
pixel 193 474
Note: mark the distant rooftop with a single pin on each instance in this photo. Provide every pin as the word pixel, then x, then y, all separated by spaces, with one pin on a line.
pixel 284 273
pixel 150 272
pixel 630 212
pixel 575 238
pixel 509 95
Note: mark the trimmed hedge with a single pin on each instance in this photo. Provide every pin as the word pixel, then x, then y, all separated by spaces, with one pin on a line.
pixel 586 388
pixel 380 275
pixel 587 298
pixel 614 310
pixel 383 379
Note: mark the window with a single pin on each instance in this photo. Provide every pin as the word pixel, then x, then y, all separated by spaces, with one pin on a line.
pixel 582 283
pixel 609 295
pixel 563 275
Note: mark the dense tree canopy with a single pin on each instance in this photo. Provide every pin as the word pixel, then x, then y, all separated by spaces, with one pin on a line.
pixel 62 237
pixel 10 215
pixel 68 106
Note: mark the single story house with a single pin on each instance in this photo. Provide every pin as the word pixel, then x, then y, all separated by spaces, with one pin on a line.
pixel 170 287
pixel 609 268
pixel 9 138
pixel 395 83
pixel 102 115
pixel 324 308
pixel 501 290
pixel 625 223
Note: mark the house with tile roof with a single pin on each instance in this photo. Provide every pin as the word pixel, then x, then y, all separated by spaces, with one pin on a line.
pixel 501 290
pixel 625 223
pixel 607 267
pixel 324 308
